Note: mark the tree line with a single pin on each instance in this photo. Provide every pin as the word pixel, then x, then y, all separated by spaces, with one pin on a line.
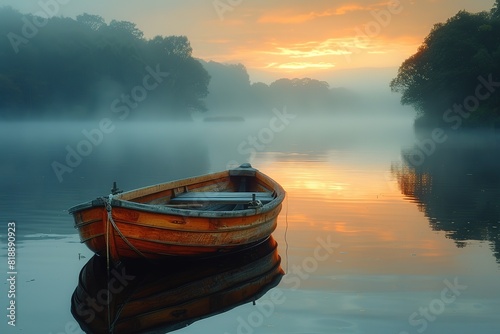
pixel 61 66
pixel 231 91
pixel 81 68
pixel 454 77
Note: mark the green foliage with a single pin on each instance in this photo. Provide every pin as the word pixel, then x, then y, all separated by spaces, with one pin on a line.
pixel 178 46
pixel 495 12
pixel 94 22
pixel 446 67
pixel 62 64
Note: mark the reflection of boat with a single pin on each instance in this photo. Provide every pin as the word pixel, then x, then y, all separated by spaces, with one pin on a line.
pixel 202 215
pixel 173 295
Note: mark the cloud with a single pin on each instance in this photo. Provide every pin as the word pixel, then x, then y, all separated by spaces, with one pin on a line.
pixel 294 53
pixel 287 17
pixel 351 8
pixel 301 65
pixel 328 47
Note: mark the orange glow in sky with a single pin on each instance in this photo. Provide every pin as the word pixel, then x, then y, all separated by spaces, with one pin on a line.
pixel 299 38
pixel 284 38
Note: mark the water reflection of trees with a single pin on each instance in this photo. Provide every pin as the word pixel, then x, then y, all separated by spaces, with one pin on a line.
pixel 458 188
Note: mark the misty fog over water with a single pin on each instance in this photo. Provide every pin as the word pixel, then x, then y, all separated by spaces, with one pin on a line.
pixel 62 153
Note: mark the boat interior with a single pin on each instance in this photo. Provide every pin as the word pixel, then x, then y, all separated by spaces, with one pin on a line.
pixel 224 192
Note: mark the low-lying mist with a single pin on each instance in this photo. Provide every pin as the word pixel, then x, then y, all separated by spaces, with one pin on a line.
pixel 92 152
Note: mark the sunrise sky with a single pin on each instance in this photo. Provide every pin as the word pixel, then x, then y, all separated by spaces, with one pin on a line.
pixel 280 38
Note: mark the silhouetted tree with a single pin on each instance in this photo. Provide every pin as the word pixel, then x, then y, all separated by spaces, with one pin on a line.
pixel 177 46
pixel 305 94
pixel 446 67
pixel 94 22
pixel 495 12
pixel 68 64
pixel 125 29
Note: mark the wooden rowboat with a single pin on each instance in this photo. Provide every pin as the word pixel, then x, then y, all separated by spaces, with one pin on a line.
pixel 140 298
pixel 198 216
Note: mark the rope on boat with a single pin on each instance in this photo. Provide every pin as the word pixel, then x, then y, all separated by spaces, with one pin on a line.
pixel 107 203
pixel 108 209
pixel 107 234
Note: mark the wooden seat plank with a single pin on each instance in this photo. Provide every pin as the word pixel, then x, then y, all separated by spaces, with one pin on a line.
pixel 222 197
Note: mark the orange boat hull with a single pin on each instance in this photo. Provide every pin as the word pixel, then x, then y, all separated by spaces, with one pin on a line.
pixel 128 227
pixel 157 235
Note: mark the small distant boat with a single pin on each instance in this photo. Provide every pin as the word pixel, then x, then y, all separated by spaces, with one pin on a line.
pixel 141 298
pixel 198 216
pixel 224 119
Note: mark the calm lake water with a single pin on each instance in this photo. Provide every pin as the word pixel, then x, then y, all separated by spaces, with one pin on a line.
pixel 369 241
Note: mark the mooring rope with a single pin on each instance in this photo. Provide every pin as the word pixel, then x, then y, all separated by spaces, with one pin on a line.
pixel 108 209
pixel 110 220
pixel 286 232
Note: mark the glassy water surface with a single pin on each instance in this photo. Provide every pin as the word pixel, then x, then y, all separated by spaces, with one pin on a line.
pixel 369 242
